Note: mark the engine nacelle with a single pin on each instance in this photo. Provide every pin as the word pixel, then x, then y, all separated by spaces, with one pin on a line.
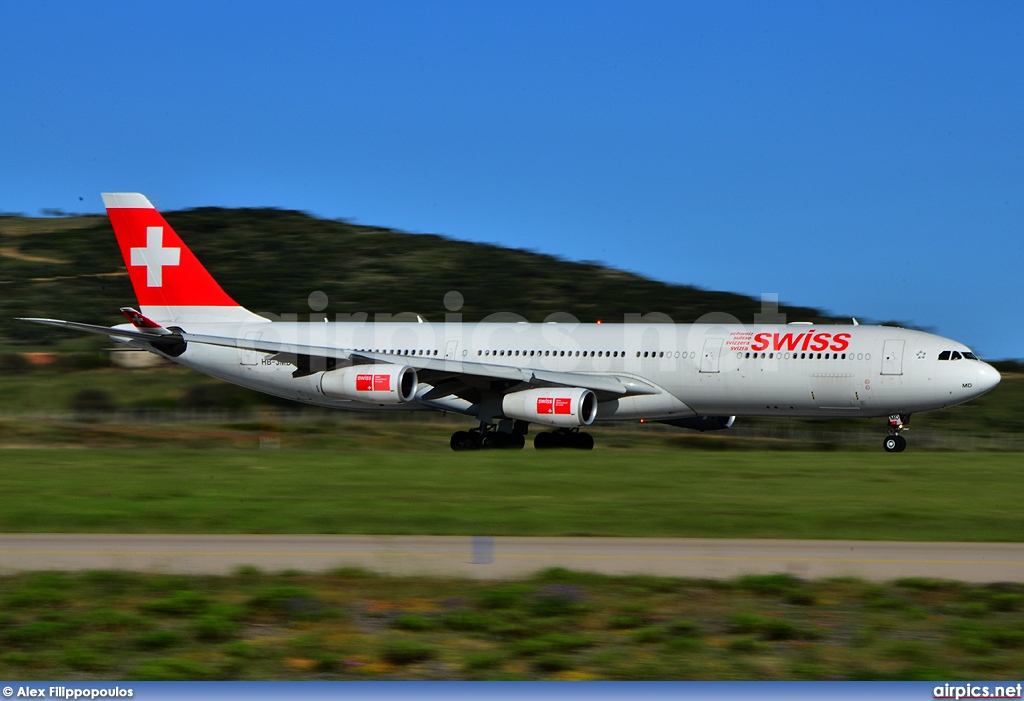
pixel 374 384
pixel 564 407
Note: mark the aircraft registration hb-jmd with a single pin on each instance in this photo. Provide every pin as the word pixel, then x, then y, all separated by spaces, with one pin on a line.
pixel 509 375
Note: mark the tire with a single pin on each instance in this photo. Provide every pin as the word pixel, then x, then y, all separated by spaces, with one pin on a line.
pixel 891 444
pixel 460 441
pixel 902 444
pixel 542 441
pixel 584 441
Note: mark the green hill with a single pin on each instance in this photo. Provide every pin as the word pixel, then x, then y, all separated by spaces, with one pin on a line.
pixel 270 260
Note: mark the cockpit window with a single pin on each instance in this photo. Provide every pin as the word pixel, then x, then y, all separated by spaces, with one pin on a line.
pixel 944 355
pixel 956 356
pixel 970 356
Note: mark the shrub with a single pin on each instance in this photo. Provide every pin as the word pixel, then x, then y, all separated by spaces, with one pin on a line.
pixel 625 620
pixel 768 627
pixel 553 642
pixel 483 659
pixel 85 660
pixel 414 623
pixel 402 651
pixel 215 628
pixel 768 583
pixel 112 619
pixel 157 640
pixel 683 627
pixel 171 669
pixel 291 602
pixel 557 600
pixel 1006 602
pixel 554 662
pixel 34 633
pixel 650 634
pixel 467 621
pixel 180 603
pixel 353 573
pixel 503 597
pixel 93 402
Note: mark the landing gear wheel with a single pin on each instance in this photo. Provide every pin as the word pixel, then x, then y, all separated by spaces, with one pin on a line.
pixel 462 440
pixel 542 441
pixel 894 444
pixel 584 441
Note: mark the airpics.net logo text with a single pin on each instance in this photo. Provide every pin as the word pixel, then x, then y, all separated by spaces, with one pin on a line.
pixel 977 691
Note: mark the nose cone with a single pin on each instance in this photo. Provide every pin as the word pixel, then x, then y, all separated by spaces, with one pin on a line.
pixel 986 378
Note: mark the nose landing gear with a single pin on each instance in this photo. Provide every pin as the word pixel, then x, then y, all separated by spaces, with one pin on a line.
pixel 894 442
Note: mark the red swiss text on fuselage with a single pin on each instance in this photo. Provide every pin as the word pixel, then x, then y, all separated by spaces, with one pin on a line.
pixel 808 341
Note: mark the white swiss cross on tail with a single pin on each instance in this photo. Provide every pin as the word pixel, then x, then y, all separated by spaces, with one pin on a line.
pixel 154 256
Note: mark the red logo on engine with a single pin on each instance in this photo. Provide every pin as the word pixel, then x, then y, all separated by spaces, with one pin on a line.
pixel 373 383
pixel 554 405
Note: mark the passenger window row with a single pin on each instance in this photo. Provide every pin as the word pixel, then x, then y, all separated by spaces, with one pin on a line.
pixel 550 353
pixel 795 356
pixel 397 351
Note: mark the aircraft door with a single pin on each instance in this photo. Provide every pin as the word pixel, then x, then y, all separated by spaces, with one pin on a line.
pixel 451 349
pixel 711 355
pixel 247 356
pixel 892 357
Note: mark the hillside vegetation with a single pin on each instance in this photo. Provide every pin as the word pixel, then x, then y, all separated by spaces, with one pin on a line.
pixel 270 260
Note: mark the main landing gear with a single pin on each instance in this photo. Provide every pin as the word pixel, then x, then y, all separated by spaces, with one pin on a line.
pixel 564 438
pixel 489 436
pixel 894 442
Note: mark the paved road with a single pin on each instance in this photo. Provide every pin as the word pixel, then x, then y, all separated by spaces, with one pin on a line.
pixel 504 557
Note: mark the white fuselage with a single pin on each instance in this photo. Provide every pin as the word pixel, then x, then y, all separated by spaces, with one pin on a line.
pixel 695 369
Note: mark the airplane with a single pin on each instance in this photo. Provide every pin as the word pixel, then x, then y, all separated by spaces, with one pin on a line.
pixel 560 376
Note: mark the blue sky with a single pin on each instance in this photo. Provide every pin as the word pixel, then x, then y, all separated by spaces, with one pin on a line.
pixel 867 158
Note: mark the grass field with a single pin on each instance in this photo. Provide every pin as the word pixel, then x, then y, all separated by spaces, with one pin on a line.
pixel 557 625
pixel 749 494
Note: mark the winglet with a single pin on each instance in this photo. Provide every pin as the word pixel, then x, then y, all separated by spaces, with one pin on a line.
pixel 143 322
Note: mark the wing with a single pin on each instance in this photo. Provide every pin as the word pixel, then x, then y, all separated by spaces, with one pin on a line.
pixel 446 377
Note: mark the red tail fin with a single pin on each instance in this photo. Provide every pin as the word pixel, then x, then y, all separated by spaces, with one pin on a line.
pixel 169 281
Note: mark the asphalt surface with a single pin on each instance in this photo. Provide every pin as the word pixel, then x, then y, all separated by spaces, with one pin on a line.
pixel 507 557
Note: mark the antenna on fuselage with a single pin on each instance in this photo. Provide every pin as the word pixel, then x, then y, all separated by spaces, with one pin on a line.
pixel 855 322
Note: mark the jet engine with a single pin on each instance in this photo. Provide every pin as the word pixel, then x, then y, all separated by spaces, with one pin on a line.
pixel 564 407
pixel 374 384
